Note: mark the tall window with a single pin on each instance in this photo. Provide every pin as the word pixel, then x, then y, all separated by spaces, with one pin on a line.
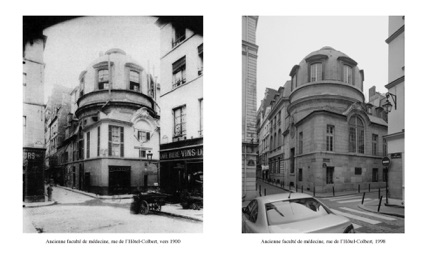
pixel 374 144
pixel 356 135
pixel 348 74
pixel 300 143
pixel 103 79
pixel 201 117
pixel 179 72
pixel 98 141
pixel 300 174
pixel 82 86
pixel 329 175
pixel 200 59
pixel 279 135
pixel 375 175
pixel 179 122
pixel 315 72
pixel 134 81
pixel 330 137
pixel 116 141
pixel 292 158
pixel 385 147
pixel 279 120
pixel 88 144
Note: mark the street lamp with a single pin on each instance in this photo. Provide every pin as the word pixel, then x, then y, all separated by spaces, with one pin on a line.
pixel 388 106
pixel 149 155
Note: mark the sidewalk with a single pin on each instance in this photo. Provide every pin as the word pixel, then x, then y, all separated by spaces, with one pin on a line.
pixel 175 210
pixel 394 208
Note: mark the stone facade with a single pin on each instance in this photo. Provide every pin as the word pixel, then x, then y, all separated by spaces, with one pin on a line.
pixel 396 131
pixel 335 140
pixel 249 86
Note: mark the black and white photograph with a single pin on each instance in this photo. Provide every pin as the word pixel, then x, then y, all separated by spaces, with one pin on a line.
pixel 112 124
pixel 323 121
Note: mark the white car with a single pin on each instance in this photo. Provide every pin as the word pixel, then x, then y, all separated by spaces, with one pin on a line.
pixel 292 213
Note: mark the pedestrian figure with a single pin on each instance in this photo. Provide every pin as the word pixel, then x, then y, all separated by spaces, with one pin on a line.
pixel 49 192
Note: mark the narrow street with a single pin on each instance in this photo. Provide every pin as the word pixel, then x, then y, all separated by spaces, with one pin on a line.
pixel 78 213
pixel 348 206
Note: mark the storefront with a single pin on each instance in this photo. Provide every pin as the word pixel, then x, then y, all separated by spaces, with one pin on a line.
pixel 33 174
pixel 181 166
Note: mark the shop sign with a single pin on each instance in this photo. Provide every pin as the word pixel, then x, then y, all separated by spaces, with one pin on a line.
pixel 34 155
pixel 188 153
pixel 396 155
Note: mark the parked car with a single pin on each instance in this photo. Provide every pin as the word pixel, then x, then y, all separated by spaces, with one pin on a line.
pixel 292 213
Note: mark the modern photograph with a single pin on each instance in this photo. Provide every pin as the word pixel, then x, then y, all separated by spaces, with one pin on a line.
pixel 323 124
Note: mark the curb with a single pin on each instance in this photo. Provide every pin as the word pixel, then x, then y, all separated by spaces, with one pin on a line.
pixel 27 205
pixel 373 211
pixel 316 196
pixel 129 197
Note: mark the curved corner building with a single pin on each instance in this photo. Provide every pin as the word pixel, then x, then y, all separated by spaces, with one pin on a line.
pixel 335 138
pixel 113 140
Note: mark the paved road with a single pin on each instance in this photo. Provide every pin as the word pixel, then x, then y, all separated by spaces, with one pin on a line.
pixel 363 221
pixel 78 213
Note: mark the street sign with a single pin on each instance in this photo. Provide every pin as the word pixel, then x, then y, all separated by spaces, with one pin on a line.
pixel 386 161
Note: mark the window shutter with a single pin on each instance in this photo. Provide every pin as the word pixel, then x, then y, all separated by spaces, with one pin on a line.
pixel 148 135
pixel 122 141
pixel 179 64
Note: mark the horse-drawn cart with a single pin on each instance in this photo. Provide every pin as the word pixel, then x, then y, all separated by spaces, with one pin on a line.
pixel 150 201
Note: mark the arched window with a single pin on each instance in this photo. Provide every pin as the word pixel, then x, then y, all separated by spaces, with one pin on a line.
pixel 356 135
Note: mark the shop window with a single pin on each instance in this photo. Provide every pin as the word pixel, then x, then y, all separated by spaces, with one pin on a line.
pixel 179 72
pixel 116 141
pixel 356 135
pixel 330 137
pixel 179 122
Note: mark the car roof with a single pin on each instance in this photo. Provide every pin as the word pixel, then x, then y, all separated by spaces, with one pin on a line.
pixel 282 196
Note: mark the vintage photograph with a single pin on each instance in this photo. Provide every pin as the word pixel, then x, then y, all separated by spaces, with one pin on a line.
pixel 323 124
pixel 113 124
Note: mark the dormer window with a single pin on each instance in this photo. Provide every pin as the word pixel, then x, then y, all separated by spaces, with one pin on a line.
pixel 348 65
pixel 103 79
pixel 179 35
pixel 134 81
pixel 315 72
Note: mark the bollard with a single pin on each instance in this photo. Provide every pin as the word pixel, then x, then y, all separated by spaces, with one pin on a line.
pixel 363 197
pixel 264 192
pixel 333 190
pixel 358 188
pixel 379 204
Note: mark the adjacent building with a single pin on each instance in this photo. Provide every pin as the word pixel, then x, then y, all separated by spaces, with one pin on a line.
pixel 111 141
pixel 335 139
pixel 249 86
pixel 395 136
pixel 57 110
pixel 181 101
pixel 33 118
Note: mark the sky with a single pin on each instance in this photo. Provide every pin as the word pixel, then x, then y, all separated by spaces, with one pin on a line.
pixel 285 41
pixel 73 45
